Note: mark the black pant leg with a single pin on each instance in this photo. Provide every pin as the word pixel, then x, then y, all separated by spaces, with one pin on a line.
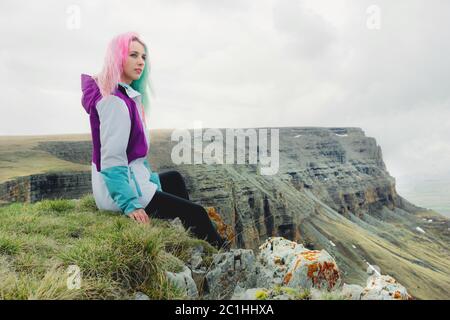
pixel 168 206
pixel 173 182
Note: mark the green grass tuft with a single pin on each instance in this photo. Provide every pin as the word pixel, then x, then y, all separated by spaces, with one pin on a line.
pixel 58 205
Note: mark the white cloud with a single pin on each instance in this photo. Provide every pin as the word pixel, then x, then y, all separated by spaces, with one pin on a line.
pixel 242 64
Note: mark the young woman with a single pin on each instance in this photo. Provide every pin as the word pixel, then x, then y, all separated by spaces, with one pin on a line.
pixel 122 178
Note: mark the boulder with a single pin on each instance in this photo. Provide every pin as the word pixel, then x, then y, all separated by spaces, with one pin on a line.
pixel 384 288
pixel 196 258
pixel 229 269
pixel 351 291
pixel 287 263
pixel 286 270
pixel 140 296
pixel 177 224
pixel 184 281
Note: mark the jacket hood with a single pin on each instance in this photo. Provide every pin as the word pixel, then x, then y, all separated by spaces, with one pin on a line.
pixel 91 92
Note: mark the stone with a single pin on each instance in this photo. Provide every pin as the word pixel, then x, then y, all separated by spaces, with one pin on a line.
pixel 183 280
pixel 351 291
pixel 384 288
pixel 177 224
pixel 196 257
pixel 303 273
pixel 229 269
pixel 200 281
pixel 290 264
pixel 140 296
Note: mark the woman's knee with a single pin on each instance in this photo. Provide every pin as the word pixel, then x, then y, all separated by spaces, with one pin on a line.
pixel 177 175
pixel 173 182
pixel 173 177
pixel 173 174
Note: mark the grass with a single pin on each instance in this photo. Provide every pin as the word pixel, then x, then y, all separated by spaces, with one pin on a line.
pixel 297 294
pixel 332 295
pixel 117 257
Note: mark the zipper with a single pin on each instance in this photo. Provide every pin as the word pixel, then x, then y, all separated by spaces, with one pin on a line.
pixel 135 182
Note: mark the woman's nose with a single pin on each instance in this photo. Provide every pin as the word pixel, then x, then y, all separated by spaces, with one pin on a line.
pixel 141 62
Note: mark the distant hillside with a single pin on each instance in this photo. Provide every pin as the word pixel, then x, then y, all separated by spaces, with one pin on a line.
pixel 22 155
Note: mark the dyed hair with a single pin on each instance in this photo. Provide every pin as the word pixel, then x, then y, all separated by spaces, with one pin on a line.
pixel 116 56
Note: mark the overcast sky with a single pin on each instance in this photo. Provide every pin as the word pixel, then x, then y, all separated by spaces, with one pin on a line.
pixel 241 63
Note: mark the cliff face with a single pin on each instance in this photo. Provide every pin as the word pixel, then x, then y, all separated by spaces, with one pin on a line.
pixel 36 187
pixel 332 192
pixel 341 167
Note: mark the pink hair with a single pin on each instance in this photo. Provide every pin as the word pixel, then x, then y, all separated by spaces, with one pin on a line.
pixel 115 59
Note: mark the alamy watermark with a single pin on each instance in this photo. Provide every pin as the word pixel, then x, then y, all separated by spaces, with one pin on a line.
pixel 218 151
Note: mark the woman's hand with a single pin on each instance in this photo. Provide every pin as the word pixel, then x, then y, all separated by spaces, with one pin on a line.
pixel 140 216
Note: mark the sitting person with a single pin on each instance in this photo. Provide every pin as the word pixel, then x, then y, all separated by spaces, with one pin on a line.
pixel 122 178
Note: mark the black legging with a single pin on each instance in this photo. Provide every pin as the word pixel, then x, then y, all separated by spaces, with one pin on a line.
pixel 174 202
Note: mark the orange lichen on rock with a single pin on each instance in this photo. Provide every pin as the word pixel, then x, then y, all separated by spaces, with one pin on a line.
pixel 310 255
pixel 326 271
pixel 318 272
pixel 312 268
pixel 223 229
pixel 330 273
pixel 299 259
pixel 287 278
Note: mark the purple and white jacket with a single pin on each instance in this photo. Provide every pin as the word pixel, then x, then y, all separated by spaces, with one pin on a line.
pixel 122 179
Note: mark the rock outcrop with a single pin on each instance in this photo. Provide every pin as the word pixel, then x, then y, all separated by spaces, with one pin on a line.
pixel 184 281
pixel 286 263
pixel 382 287
pixel 231 269
pixel 240 274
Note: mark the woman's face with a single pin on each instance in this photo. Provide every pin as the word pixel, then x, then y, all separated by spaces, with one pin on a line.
pixel 134 65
